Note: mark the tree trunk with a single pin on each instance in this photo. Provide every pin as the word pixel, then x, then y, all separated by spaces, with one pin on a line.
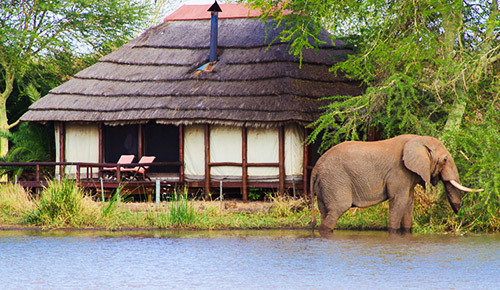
pixel 4 129
pixel 4 122
pixel 452 24
pixel 457 111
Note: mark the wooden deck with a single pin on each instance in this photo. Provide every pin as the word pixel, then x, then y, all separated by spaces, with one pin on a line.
pixel 103 184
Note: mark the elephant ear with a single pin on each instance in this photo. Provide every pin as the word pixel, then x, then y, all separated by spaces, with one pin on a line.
pixel 416 157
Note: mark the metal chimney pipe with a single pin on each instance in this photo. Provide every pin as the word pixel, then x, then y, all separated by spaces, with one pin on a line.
pixel 214 23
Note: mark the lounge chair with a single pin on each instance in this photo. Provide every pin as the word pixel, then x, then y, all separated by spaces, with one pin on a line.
pixel 140 169
pixel 124 159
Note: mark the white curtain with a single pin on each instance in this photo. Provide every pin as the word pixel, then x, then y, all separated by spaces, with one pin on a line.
pixel 194 152
pixel 226 146
pixel 294 152
pixel 263 147
pixel 81 145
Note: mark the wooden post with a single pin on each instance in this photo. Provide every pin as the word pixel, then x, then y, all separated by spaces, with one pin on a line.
pixel 62 148
pixel 100 157
pixel 244 161
pixel 281 134
pixel 37 173
pixel 78 174
pixel 101 144
pixel 181 152
pixel 207 161
pixel 140 145
pixel 305 174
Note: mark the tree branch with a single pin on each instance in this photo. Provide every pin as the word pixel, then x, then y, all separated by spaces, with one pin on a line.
pixel 13 124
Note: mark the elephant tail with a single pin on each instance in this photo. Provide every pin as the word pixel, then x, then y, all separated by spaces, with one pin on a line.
pixel 313 186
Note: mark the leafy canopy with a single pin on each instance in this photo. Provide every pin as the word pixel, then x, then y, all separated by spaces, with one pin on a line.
pixel 33 32
pixel 420 61
pixel 30 28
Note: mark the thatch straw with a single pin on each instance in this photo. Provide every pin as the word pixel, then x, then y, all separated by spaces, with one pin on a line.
pixel 154 77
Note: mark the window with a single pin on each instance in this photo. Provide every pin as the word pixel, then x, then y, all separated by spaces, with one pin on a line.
pixel 162 141
pixel 120 140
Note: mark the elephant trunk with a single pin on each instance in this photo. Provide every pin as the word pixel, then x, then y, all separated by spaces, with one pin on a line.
pixel 449 175
pixel 454 196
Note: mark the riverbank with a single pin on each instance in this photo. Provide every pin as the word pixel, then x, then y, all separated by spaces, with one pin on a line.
pixel 65 206
pixel 284 213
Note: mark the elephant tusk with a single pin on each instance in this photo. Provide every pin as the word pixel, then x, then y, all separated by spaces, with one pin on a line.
pixel 463 188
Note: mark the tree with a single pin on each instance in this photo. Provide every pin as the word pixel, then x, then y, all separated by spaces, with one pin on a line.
pixel 31 30
pixel 422 62
pixel 429 67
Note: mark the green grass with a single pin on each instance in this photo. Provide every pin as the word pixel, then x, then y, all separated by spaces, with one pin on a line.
pixel 181 212
pixel 62 204
pixel 65 205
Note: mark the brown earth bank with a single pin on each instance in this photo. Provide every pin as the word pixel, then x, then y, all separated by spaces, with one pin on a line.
pixel 232 206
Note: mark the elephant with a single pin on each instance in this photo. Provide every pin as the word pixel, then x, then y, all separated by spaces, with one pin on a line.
pixel 363 174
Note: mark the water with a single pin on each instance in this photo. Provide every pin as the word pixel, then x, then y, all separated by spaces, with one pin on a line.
pixel 246 260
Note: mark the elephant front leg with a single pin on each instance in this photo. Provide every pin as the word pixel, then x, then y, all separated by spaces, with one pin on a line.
pixel 407 221
pixel 401 213
pixel 397 208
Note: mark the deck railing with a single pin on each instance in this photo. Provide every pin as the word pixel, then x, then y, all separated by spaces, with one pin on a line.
pixel 87 167
pixel 91 175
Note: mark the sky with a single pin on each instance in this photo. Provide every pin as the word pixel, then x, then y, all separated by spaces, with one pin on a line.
pixel 172 5
pixel 200 2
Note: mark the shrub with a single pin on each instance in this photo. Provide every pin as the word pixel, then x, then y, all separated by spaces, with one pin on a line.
pixel 63 204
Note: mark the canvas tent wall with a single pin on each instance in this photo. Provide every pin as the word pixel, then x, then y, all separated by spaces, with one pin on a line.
pixel 226 146
pixel 82 145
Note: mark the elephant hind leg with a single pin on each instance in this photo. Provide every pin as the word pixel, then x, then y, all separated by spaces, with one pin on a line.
pixel 330 220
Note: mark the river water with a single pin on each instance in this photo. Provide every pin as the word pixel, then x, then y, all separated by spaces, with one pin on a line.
pixel 246 260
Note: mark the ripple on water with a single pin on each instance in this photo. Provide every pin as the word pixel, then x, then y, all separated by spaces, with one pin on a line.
pixel 247 259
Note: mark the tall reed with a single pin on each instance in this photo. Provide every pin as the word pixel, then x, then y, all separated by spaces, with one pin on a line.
pixel 181 212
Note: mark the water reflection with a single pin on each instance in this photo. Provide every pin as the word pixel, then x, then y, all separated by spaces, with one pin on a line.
pixel 246 259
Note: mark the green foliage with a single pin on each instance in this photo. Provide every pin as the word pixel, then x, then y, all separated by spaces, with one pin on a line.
pixel 107 209
pixel 254 193
pixel 416 74
pixel 30 142
pixel 35 33
pixel 432 212
pixel 34 141
pixel 46 73
pixel 61 204
pixel 182 212
pixel 31 28
pixel 478 161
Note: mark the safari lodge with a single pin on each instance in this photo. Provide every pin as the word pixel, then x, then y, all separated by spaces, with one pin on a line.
pixel 209 96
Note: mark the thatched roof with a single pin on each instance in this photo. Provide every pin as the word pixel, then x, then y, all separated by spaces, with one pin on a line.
pixel 153 77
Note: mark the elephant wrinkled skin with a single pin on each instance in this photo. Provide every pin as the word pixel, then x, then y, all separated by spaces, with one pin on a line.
pixel 363 174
